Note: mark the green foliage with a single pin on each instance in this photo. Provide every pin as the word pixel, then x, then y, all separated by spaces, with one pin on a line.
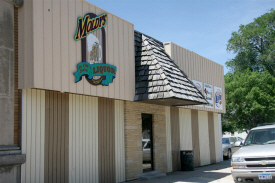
pixel 254 45
pixel 250 100
pixel 250 87
pixel 228 126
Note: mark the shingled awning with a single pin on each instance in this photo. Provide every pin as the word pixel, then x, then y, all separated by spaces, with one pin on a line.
pixel 158 79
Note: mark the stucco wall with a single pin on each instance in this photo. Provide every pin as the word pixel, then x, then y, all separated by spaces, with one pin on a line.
pixel 11 156
pixel 6 72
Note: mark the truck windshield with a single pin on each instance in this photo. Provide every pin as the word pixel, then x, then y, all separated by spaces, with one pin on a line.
pixel 260 137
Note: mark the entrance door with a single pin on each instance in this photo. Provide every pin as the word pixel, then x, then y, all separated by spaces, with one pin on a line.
pixel 147 142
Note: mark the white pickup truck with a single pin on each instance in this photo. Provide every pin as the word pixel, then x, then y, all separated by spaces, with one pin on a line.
pixel 255 160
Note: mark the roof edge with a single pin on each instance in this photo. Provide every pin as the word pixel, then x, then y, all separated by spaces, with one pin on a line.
pixel 149 36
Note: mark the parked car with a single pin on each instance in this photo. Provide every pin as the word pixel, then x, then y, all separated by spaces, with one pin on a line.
pixel 146 150
pixel 255 160
pixel 228 144
pixel 239 142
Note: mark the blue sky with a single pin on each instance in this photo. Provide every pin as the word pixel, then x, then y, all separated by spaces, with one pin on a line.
pixel 201 26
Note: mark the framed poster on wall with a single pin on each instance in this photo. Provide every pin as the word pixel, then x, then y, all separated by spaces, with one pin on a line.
pixel 208 93
pixel 199 86
pixel 218 97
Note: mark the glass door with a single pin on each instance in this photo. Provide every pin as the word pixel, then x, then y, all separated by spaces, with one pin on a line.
pixel 147 142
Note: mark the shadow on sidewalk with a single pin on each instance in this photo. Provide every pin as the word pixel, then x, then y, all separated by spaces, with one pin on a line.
pixel 204 174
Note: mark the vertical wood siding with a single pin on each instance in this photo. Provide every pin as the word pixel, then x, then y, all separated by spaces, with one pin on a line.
pixel 168 139
pixel 106 143
pixel 204 138
pixel 195 137
pixel 33 133
pixel 218 137
pixel 175 138
pixel 212 143
pixel 56 137
pixel 198 68
pixel 49 54
pixel 83 139
pixel 185 129
pixel 119 141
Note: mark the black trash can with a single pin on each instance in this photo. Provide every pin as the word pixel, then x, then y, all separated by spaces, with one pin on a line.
pixel 187 160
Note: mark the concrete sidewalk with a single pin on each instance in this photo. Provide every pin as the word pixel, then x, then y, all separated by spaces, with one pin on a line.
pixel 219 172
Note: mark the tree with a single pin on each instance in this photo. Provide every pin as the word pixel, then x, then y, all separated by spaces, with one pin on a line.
pixel 254 45
pixel 228 126
pixel 250 100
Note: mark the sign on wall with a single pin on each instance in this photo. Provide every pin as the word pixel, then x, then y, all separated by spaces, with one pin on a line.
pixel 208 93
pixel 218 97
pixel 93 65
pixel 89 24
pixel 198 84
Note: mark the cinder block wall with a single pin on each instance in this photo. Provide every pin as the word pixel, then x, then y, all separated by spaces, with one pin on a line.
pixel 133 138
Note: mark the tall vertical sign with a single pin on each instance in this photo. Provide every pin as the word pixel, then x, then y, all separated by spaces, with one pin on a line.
pixel 208 93
pixel 198 84
pixel 218 97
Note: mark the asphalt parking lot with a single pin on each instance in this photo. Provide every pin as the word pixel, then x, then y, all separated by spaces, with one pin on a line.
pixel 219 172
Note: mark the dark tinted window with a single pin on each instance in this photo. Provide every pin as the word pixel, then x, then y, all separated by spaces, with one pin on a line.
pixel 225 141
pixel 262 136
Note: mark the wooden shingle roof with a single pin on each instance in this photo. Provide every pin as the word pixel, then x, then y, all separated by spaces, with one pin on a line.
pixel 158 78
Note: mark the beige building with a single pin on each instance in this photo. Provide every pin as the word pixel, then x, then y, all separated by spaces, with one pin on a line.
pixel 102 102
